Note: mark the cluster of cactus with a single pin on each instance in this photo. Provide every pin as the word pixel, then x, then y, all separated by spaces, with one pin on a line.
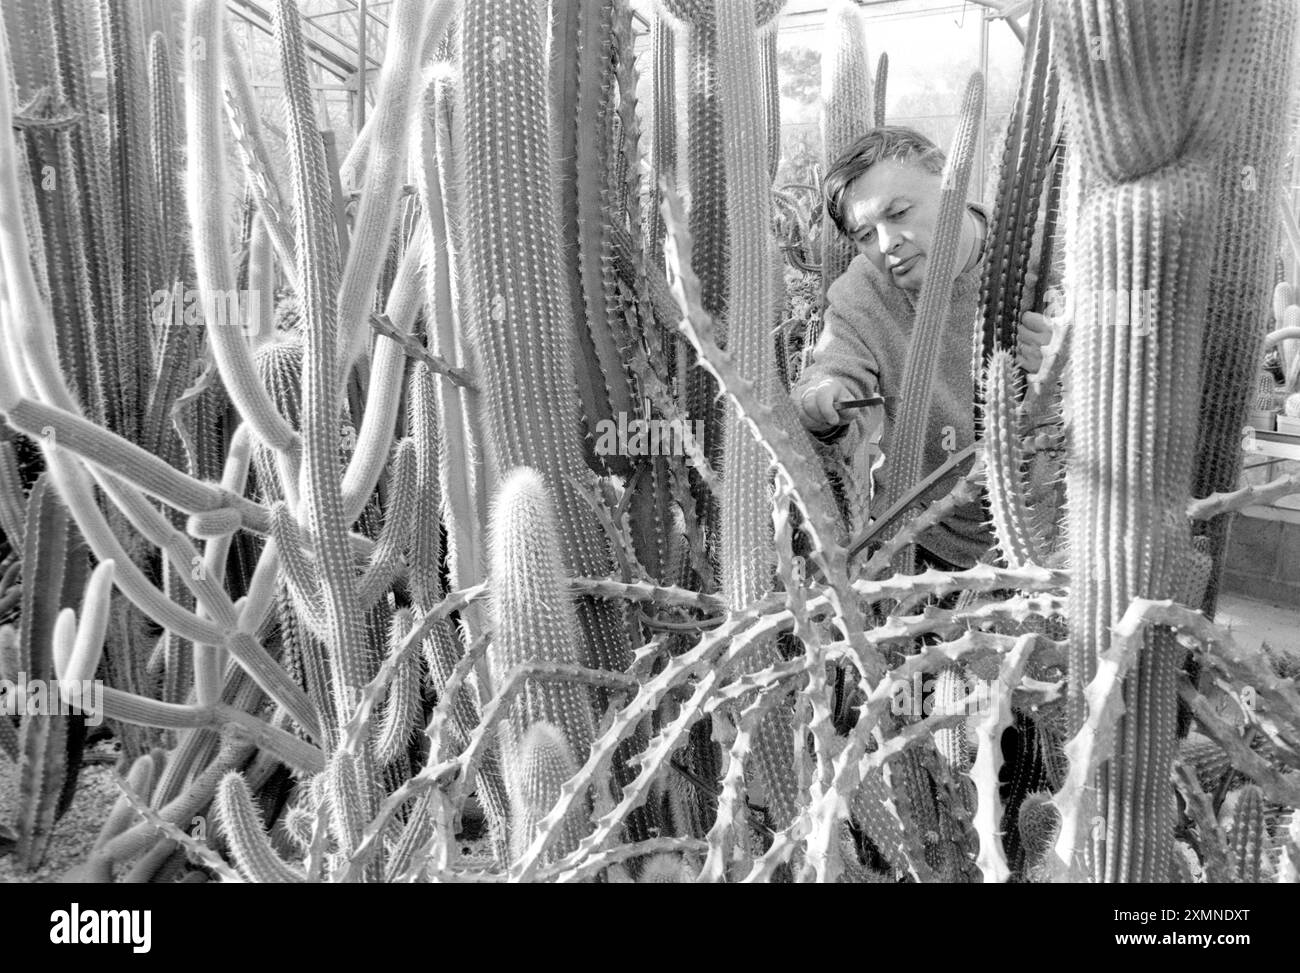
pixel 390 579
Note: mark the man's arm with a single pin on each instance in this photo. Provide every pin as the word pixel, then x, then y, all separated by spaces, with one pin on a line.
pixel 842 362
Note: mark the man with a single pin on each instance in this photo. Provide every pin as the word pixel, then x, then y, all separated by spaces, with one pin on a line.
pixel 883 195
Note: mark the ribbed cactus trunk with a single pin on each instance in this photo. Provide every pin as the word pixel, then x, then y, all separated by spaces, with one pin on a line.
pixel 321 405
pixel 548 732
pixel 1248 176
pixel 462 492
pixel 846 112
pixel 769 67
pixel 584 53
pixel 906 465
pixel 882 83
pixel 1149 96
pixel 663 143
pixel 709 220
pixel 706 175
pixel 1022 173
pixel 132 173
pixel 519 321
pixel 748 549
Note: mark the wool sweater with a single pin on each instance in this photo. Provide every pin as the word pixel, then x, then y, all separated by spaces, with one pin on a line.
pixel 865 335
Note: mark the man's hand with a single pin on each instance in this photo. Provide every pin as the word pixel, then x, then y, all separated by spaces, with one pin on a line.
pixel 815 406
pixel 1032 337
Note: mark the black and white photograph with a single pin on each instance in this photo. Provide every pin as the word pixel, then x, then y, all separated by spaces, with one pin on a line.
pixel 479 442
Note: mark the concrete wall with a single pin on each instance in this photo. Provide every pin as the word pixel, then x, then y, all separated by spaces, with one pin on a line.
pixel 1263 560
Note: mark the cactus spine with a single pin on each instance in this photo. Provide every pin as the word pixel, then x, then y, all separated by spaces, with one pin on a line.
pixel 1150 123
pixel 908 438
pixel 49 745
pixel 663 144
pixel 748 551
pixel 1017 537
pixel 1024 166
pixel 882 82
pixel 1246 834
pixel 846 105
pixel 584 91
pixel 241 822
pixel 550 726
pixel 205 193
pixel 519 325
pixel 318 276
pixel 1249 175
pixel 135 189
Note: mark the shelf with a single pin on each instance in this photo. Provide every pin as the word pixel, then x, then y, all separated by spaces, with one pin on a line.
pixel 1275 445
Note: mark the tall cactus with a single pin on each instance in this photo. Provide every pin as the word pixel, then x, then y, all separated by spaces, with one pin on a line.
pixel 1248 174
pixel 882 83
pixel 519 325
pixel 1023 169
pixel 321 405
pixel 908 437
pixel 846 112
pixel 584 55
pixel 550 725
pixel 748 551
pixel 462 493
pixel 133 177
pixel 49 745
pixel 81 231
pixel 769 61
pixel 1150 114
pixel 709 219
pixel 663 144
pixel 1018 539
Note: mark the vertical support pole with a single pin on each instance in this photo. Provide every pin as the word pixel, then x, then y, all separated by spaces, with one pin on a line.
pixel 981 148
pixel 359 116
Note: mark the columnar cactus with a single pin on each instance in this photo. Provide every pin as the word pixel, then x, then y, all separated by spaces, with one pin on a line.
pixel 1150 114
pixel 663 143
pixel 1248 174
pixel 846 112
pixel 321 403
pixel 882 82
pixel 1246 834
pixel 1023 170
pixel 1013 524
pixel 133 174
pixel 709 219
pixel 518 324
pixel 706 176
pixel 241 822
pixel 460 474
pixel 911 427
pixel 584 53
pixel 550 725
pixel 748 552
pixel 768 62
pixel 207 198
pixel 50 745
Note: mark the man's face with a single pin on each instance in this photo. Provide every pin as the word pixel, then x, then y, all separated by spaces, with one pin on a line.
pixel 890 212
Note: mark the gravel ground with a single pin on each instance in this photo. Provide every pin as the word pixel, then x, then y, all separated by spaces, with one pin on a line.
pixel 75 832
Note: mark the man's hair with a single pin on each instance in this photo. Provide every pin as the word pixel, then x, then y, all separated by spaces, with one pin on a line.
pixel 885 142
